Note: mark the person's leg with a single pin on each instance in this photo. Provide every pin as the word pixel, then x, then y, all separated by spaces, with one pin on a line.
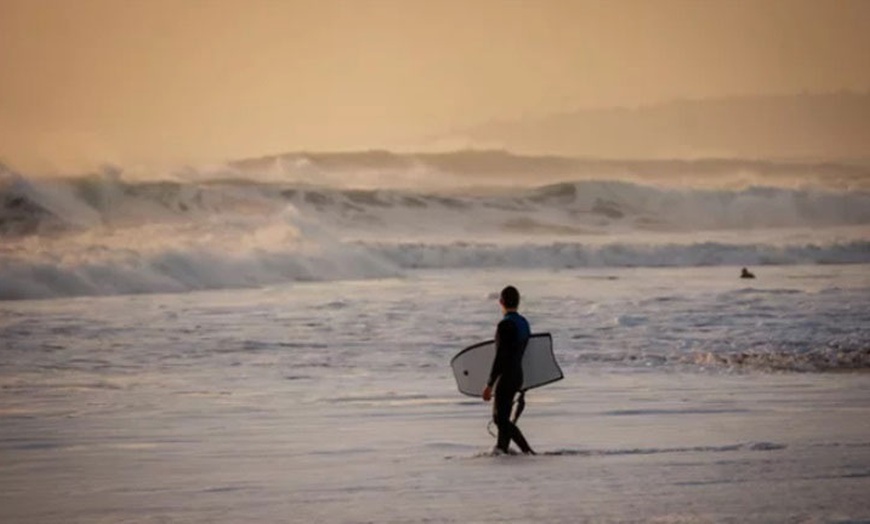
pixel 518 437
pixel 501 414
pixel 507 430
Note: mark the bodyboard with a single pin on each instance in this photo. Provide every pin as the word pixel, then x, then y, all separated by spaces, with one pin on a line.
pixel 472 365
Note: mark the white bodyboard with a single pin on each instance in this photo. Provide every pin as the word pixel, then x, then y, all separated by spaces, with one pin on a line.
pixel 472 365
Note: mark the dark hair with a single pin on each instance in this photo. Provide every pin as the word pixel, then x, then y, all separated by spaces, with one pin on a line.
pixel 510 297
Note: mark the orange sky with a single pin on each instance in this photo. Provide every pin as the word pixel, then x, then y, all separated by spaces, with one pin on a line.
pixel 160 81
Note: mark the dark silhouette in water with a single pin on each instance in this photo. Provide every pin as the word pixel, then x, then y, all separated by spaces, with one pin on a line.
pixel 744 273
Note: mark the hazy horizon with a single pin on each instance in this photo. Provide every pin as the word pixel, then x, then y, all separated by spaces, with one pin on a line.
pixel 166 82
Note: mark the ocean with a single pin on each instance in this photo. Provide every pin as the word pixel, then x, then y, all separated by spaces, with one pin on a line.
pixel 270 341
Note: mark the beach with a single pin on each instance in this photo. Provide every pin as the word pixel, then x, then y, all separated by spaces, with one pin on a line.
pixel 242 243
pixel 334 402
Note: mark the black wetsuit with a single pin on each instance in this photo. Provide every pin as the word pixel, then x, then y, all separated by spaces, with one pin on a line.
pixel 511 338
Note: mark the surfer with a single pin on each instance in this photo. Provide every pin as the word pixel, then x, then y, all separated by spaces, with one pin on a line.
pixel 506 376
pixel 745 273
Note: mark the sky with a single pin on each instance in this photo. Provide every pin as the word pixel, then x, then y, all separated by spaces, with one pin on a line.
pixel 85 82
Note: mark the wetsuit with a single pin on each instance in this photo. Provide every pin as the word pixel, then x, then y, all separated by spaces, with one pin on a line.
pixel 511 338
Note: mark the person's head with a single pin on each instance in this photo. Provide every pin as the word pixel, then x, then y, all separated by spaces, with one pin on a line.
pixel 509 298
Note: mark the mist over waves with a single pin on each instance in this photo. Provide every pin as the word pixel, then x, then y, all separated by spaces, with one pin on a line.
pixel 318 216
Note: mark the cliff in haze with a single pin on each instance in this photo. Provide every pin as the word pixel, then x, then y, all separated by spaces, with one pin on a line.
pixel 805 126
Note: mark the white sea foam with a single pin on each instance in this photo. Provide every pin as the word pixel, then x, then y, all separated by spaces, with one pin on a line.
pixel 103 234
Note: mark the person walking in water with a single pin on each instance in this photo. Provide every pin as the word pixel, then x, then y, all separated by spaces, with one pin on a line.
pixel 506 376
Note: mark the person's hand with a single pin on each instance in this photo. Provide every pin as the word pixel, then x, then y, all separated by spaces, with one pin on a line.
pixel 487 393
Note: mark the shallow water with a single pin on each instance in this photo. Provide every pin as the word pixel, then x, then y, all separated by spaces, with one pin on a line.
pixel 333 401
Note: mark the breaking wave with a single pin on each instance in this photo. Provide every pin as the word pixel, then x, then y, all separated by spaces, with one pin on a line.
pixel 577 255
pixel 38 206
pixel 108 271
pixel 104 234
